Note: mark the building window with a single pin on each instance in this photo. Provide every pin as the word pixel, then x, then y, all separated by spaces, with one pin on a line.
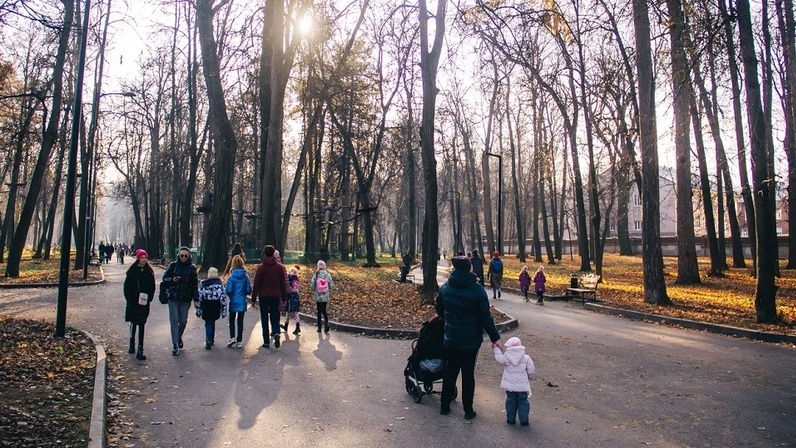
pixel 779 213
pixel 637 200
pixel 745 232
pixel 613 226
pixel 779 230
pixel 637 225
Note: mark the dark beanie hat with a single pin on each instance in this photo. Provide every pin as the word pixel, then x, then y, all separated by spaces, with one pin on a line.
pixel 462 263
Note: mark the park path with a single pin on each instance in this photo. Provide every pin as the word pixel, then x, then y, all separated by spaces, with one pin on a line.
pixel 601 381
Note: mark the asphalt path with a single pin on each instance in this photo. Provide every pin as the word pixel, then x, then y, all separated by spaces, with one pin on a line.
pixel 601 381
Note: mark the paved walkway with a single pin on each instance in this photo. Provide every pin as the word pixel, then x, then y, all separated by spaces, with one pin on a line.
pixel 601 381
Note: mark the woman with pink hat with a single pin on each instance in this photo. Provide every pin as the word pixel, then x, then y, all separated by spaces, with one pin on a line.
pixel 139 290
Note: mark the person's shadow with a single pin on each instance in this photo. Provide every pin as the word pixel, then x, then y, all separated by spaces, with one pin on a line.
pixel 327 352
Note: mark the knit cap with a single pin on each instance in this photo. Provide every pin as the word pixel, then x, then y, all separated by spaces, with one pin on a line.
pixel 140 253
pixel 212 272
pixel 461 263
pixel 321 264
pixel 513 342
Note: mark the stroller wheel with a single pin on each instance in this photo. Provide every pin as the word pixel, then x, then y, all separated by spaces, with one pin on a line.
pixel 417 395
pixel 410 386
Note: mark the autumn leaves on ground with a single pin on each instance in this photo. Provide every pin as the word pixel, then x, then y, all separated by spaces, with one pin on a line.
pixel 45 384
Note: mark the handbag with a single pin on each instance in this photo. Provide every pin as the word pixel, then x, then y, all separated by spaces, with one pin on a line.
pixel 143 298
pixel 163 296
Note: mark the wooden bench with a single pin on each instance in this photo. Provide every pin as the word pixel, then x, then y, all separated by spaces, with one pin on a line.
pixel 587 288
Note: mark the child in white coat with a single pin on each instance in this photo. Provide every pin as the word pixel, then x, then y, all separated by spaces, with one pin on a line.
pixel 517 369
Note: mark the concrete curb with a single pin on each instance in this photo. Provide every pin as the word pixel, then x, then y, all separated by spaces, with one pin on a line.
pixel 99 404
pixel 694 325
pixel 53 285
pixel 394 332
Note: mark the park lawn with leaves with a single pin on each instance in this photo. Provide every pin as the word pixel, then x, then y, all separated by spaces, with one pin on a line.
pixel 727 300
pixel 46 385
pixel 47 271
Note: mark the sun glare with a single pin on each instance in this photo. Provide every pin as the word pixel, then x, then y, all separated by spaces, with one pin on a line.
pixel 305 25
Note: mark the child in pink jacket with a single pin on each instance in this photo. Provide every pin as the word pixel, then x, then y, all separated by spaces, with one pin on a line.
pixel 517 369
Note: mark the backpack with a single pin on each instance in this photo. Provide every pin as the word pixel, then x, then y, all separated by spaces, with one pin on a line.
pixel 497 266
pixel 321 285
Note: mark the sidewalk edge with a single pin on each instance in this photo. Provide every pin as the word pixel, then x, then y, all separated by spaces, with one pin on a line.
pixel 694 325
pixel 99 404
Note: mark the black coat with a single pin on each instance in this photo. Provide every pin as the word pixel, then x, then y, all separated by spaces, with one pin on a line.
pixel 464 305
pixel 139 279
pixel 187 289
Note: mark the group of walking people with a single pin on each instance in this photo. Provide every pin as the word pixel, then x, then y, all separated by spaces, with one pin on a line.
pixel 274 290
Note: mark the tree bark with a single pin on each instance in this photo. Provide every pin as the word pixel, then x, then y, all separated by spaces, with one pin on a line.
pixel 765 197
pixel 652 254
pixel 215 253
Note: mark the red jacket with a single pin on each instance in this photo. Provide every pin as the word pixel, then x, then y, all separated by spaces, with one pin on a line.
pixel 270 280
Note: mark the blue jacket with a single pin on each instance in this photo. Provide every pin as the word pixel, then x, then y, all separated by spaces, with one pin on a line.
pixel 239 286
pixel 464 305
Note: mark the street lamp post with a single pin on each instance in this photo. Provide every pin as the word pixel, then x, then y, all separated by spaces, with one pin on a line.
pixel 500 201
pixel 71 174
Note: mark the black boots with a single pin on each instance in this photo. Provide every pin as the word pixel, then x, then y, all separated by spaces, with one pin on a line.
pixel 284 327
pixel 132 346
pixel 140 355
pixel 298 328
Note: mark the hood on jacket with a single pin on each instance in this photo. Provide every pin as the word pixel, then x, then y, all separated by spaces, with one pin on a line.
pixel 238 273
pixel 461 279
pixel 269 261
pixel 211 281
pixel 514 354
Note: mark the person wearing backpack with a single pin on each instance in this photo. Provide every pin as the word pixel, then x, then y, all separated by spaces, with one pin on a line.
pixel 322 284
pixel 495 274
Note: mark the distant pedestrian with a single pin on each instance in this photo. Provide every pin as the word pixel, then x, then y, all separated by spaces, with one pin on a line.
pixel 212 304
pixel 108 252
pixel 293 299
pixel 464 306
pixel 322 284
pixel 120 254
pixel 525 281
pixel 406 263
pixel 101 252
pixel 182 283
pixel 538 281
pixel 239 286
pixel 518 367
pixel 237 249
pixel 139 290
pixel 270 286
pixel 478 266
pixel 495 274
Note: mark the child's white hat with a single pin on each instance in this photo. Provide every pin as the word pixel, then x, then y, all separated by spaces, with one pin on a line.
pixel 513 342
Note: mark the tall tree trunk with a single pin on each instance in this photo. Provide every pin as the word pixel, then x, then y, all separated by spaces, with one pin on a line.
pixel 765 197
pixel 194 152
pixel 787 27
pixel 215 253
pixel 515 182
pixel 743 171
pixel 652 254
pixel 687 266
pixel 48 141
pixel 429 63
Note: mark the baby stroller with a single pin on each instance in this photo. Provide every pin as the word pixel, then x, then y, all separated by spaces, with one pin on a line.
pixel 426 364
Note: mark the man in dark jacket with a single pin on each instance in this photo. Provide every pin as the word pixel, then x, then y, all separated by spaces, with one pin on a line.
pixel 478 266
pixel 464 305
pixel 270 286
pixel 183 288
pixel 407 263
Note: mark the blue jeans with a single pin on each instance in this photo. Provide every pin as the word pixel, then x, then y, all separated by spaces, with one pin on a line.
pixel 210 330
pixel 269 306
pixel 517 404
pixel 178 317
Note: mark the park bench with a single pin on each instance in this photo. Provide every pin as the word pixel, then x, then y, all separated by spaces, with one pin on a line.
pixel 587 288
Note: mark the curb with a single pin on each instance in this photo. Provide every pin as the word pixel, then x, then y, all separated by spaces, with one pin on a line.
pixel 694 325
pixel 394 332
pixel 99 404
pixel 53 285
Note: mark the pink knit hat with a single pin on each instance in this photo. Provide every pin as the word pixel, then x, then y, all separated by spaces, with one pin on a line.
pixel 513 342
pixel 141 253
